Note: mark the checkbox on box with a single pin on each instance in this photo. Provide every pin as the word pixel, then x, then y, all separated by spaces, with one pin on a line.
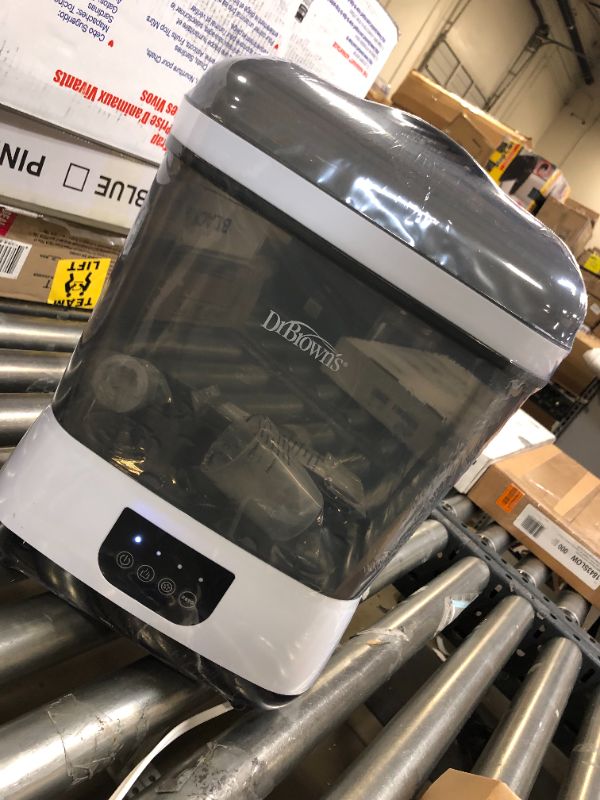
pixel 76 177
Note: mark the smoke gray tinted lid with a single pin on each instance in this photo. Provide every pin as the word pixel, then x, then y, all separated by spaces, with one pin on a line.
pixel 407 178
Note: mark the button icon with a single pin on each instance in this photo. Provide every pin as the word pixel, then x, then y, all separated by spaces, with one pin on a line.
pixel 145 573
pixel 124 559
pixel 166 586
pixel 187 599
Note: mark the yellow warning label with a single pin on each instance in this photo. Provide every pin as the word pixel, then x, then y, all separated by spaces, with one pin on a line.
pixel 78 282
pixel 592 263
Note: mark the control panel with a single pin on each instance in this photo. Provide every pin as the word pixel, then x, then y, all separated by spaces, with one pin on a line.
pixel 158 570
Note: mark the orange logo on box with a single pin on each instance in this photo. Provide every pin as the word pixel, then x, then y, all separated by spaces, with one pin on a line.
pixel 510 497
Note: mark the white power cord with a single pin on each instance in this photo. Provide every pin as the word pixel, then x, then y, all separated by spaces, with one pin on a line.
pixel 183 727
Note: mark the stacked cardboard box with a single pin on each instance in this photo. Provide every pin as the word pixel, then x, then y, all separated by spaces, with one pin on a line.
pixel 426 99
pixel 574 375
pixel 592 285
pixel 47 260
pixel 590 260
pixel 521 432
pixel 528 178
pixel 551 504
pixel 572 221
pixel 503 151
pixel 475 141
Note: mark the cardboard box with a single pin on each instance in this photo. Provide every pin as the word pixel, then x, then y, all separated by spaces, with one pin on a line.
pixel 115 72
pixel 31 247
pixel 67 177
pixel 346 42
pixel 527 177
pixel 590 260
pixel 592 317
pixel 573 374
pixel 590 213
pixel 463 131
pixel 551 504
pixel 592 285
pixel 425 98
pixel 592 282
pixel 520 433
pixel 456 785
pixel 380 92
pixel 573 226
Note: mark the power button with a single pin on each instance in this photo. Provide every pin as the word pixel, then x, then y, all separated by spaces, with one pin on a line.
pixel 124 559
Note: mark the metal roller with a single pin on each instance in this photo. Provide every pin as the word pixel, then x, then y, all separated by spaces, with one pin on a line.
pixel 38 333
pixel 573 605
pixel 42 310
pixel 47 752
pixel 583 779
pixel 249 759
pixel 401 758
pixel 41 631
pixel 514 753
pixel 429 538
pixel 533 571
pixel 496 538
pixel 31 370
pixel 460 506
pixel 18 412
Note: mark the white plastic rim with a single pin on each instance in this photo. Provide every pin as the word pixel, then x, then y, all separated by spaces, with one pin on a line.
pixel 367 244
pixel 63 499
